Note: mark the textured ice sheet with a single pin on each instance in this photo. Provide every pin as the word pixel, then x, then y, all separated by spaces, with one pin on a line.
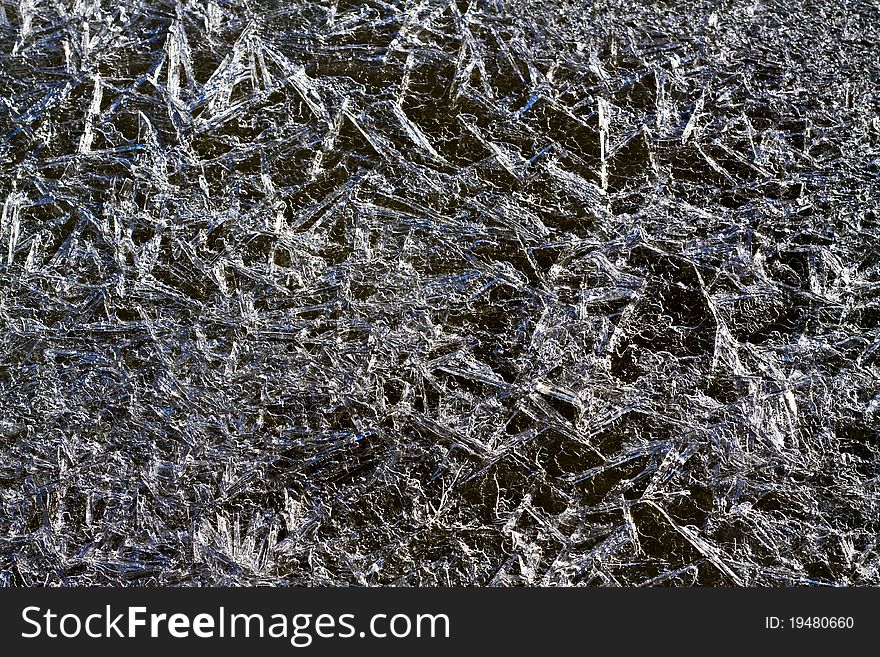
pixel 433 293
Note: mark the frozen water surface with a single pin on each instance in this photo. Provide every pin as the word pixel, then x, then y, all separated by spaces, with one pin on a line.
pixel 432 293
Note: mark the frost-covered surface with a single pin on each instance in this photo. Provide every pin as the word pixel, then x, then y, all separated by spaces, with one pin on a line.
pixel 436 292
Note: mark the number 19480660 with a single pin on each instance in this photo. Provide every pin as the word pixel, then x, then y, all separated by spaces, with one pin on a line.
pixel 810 622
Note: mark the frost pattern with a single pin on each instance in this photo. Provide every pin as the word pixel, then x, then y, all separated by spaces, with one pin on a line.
pixel 439 292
